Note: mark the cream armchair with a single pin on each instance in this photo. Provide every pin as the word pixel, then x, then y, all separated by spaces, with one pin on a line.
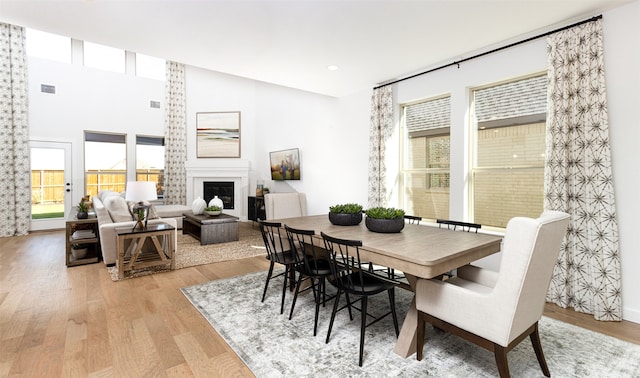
pixel 285 205
pixel 498 310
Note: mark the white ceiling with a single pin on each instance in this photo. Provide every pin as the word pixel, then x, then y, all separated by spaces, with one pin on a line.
pixel 291 43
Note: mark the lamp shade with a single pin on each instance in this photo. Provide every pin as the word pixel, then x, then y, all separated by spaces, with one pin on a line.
pixel 138 191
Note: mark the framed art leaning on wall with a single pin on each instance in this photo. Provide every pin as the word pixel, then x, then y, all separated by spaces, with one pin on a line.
pixel 218 135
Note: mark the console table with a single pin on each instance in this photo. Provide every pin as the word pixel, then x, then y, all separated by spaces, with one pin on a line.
pixel 221 228
pixel 82 233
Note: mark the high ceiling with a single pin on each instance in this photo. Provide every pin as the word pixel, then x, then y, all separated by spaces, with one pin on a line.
pixel 291 43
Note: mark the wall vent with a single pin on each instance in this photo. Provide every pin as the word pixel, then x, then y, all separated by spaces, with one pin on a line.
pixel 45 88
pixel 155 104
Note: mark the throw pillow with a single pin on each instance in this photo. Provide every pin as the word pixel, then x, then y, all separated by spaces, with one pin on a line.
pixel 117 208
pixel 103 194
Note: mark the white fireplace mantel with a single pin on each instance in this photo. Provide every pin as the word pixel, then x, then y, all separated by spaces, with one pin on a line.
pixel 235 170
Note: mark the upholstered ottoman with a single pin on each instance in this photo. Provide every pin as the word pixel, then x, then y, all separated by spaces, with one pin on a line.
pixel 172 211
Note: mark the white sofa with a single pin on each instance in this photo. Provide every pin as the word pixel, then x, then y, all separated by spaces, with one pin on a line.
pixel 112 212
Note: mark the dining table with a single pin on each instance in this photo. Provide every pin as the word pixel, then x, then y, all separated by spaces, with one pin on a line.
pixel 418 250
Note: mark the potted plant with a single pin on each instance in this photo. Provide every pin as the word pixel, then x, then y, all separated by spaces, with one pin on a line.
pixel 348 214
pixel 82 210
pixel 213 210
pixel 385 219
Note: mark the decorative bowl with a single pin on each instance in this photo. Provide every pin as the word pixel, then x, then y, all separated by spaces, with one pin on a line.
pixel 384 225
pixel 212 213
pixel 343 219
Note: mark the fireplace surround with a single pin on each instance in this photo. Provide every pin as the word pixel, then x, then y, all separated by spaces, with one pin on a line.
pixel 235 171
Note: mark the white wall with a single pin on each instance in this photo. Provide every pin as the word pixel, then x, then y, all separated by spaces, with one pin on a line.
pixel 622 63
pixel 332 134
pixel 90 99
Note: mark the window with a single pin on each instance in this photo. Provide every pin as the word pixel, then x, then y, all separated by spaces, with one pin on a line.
pixel 48 46
pixel 425 172
pixel 507 170
pixel 104 57
pixel 105 162
pixel 150 161
pixel 150 67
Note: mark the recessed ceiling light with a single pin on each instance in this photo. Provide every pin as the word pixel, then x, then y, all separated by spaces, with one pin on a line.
pixel 332 67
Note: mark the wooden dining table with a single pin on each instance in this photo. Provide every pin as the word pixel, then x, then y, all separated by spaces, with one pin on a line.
pixel 419 251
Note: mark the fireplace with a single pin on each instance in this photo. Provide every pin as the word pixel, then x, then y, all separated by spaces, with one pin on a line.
pixel 220 170
pixel 223 189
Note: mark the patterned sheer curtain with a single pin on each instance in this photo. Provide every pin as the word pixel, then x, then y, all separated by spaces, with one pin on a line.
pixel 15 177
pixel 175 136
pixel 380 131
pixel 578 174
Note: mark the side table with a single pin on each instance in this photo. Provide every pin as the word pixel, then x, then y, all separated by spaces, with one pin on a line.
pixel 82 240
pixel 255 208
pixel 143 248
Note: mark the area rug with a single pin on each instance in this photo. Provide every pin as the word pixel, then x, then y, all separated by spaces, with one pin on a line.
pixel 273 346
pixel 191 253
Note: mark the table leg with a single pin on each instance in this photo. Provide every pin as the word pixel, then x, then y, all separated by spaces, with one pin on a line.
pixel 120 259
pixel 406 344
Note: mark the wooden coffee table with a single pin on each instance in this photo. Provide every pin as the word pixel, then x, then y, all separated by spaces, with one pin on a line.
pixel 221 228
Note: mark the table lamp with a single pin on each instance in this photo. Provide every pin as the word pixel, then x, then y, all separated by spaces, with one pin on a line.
pixel 140 191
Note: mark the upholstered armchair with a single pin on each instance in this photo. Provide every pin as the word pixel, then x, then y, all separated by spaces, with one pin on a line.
pixel 285 205
pixel 497 310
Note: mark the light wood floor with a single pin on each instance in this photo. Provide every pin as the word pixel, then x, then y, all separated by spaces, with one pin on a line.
pixel 75 322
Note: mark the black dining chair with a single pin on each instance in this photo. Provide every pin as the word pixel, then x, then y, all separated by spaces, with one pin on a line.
pixel 314 267
pixel 412 219
pixel 455 225
pixel 355 280
pixel 280 252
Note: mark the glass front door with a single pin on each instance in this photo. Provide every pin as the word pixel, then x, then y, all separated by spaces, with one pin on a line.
pixel 51 187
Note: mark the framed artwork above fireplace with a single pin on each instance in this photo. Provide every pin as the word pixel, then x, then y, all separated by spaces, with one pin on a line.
pixel 218 135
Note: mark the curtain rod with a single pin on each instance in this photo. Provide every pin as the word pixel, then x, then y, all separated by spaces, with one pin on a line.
pixel 594 18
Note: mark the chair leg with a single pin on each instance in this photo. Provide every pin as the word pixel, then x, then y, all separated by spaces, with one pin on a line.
pixel 317 295
pixel 363 325
pixel 349 306
pixel 419 336
pixel 333 314
pixel 284 287
pixel 537 347
pixel 392 304
pixel 323 287
pixel 295 295
pixel 501 360
pixel 266 284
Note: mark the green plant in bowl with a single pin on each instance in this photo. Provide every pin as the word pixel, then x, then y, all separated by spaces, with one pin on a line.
pixel 384 219
pixel 347 208
pixel 385 213
pixel 348 214
pixel 213 210
pixel 82 210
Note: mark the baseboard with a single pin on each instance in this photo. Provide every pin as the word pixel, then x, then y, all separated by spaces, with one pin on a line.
pixel 631 315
